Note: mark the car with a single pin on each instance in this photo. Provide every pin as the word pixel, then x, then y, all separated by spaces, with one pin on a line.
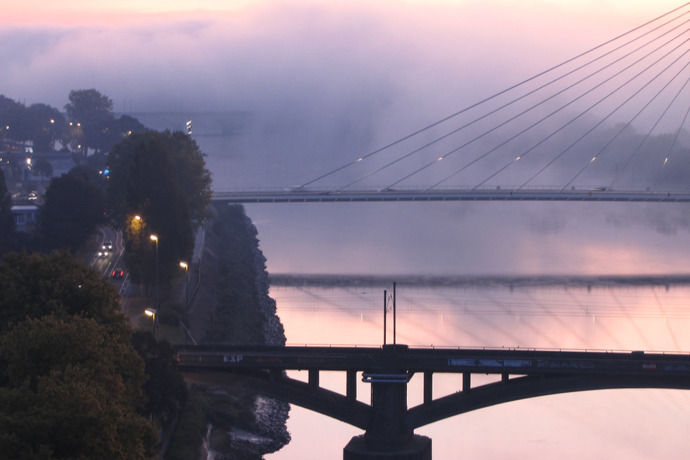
pixel 103 253
pixel 118 273
pixel 108 245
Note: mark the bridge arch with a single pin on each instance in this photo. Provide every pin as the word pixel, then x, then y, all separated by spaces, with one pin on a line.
pixel 358 414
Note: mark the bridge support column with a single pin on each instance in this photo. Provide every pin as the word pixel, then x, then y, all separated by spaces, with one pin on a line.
pixel 428 387
pixel 313 379
pixel 418 448
pixel 388 436
pixel 351 387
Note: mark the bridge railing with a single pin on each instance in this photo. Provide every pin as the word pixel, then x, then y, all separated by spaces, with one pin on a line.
pixel 495 348
pixel 418 188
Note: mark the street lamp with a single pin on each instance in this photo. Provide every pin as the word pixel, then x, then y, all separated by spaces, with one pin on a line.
pixel 152 313
pixel 186 289
pixel 137 217
pixel 186 298
pixel 155 238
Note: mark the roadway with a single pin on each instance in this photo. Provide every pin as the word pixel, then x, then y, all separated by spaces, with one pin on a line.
pixel 104 266
pixel 401 358
pixel 309 195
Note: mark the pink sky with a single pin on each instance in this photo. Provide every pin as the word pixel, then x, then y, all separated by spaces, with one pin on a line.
pixel 109 13
pixel 383 69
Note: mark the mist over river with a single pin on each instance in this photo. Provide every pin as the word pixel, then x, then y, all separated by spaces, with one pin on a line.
pixel 509 240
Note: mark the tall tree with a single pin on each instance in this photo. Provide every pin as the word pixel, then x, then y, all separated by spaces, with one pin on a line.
pixel 42 167
pixel 7 224
pixel 15 121
pixel 47 126
pixel 153 191
pixel 73 210
pixel 189 165
pixel 93 111
pixel 161 177
pixel 165 388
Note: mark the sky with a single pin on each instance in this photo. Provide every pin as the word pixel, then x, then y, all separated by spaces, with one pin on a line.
pixel 324 81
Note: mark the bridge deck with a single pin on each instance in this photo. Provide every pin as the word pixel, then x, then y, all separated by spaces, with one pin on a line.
pixel 390 195
pixel 403 359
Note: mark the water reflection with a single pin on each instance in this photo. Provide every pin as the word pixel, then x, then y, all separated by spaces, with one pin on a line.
pixel 630 424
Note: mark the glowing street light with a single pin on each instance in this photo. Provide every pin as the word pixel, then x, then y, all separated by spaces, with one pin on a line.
pixel 137 217
pixel 152 313
pixel 186 294
pixel 155 238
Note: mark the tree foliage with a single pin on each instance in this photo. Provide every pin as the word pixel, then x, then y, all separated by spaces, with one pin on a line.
pixel 165 388
pixel 7 225
pixel 73 210
pixel 37 285
pixel 42 167
pixel 91 126
pixel 162 178
pixel 71 391
pixel 189 165
pixel 93 111
pixel 70 379
pixel 14 120
pixel 93 123
pixel 46 125
pixel 39 123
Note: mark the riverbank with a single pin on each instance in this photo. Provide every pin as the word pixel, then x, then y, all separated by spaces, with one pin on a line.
pixel 231 306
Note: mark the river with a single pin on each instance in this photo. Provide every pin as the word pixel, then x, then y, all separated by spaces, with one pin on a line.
pixel 468 239
pixel 625 424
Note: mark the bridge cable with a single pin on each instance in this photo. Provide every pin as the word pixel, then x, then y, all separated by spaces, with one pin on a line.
pixel 540 121
pixel 527 129
pixel 668 153
pixel 646 137
pixel 590 108
pixel 529 94
pixel 490 97
pixel 600 152
pixel 607 117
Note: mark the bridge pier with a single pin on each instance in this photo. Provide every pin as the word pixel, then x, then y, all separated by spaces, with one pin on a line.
pixel 387 435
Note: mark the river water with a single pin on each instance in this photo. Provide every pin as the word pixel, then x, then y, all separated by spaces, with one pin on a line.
pixel 625 424
pixel 468 239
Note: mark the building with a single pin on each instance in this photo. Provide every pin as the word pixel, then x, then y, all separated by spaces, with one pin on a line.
pixel 25 217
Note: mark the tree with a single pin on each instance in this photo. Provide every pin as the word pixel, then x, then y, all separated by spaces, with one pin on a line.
pixel 14 120
pixel 165 388
pixel 153 192
pixel 42 167
pixel 47 125
pixel 7 224
pixel 162 178
pixel 73 210
pixel 93 112
pixel 38 285
pixel 190 168
pixel 71 390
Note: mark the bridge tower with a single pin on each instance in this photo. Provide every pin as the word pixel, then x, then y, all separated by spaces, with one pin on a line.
pixel 387 435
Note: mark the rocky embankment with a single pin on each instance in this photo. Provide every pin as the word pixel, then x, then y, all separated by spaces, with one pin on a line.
pixel 232 306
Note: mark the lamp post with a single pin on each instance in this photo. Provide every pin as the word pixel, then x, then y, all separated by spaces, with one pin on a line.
pixel 186 289
pixel 155 238
pixel 152 313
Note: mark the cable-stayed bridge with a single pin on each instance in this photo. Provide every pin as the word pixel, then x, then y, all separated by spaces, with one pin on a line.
pixel 607 125
pixel 420 194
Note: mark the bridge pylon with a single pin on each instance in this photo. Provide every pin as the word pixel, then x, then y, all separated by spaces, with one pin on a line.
pixel 387 435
